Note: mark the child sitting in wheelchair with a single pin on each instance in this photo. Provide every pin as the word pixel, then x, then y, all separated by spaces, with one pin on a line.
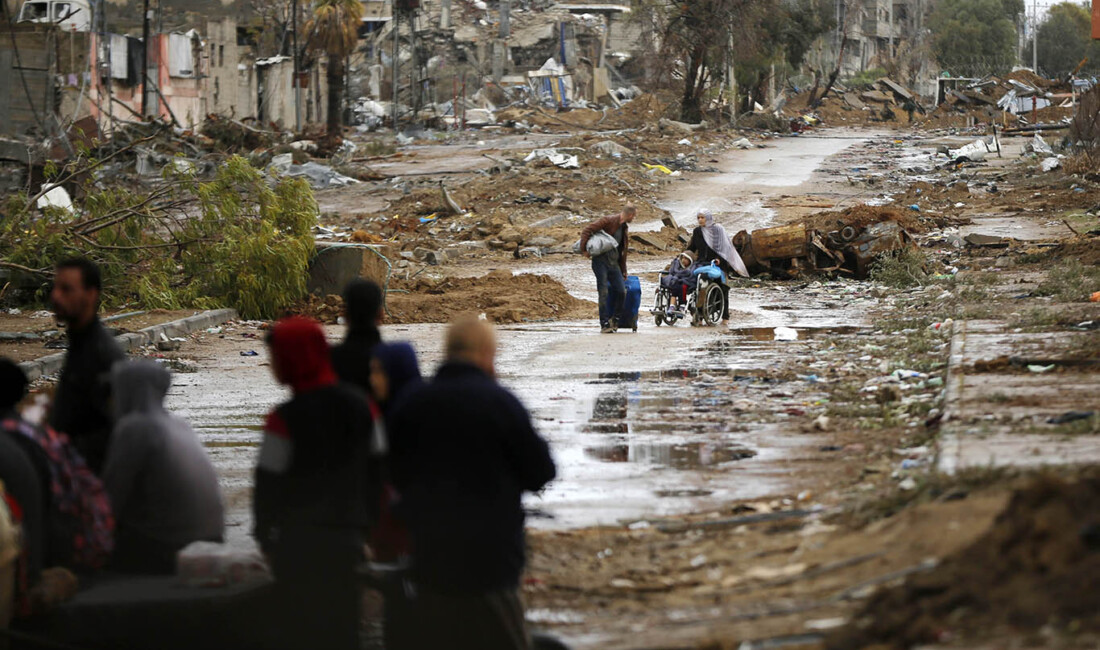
pixel 689 288
pixel 680 281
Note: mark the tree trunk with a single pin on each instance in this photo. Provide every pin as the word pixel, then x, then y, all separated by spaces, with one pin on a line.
pixel 334 74
pixel 690 111
pixel 815 102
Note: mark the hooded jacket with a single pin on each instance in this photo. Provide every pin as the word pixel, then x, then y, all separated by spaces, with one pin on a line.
pixel 160 481
pixel 317 482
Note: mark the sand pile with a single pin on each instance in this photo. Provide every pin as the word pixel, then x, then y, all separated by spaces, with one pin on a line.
pixel 1038 565
pixel 502 297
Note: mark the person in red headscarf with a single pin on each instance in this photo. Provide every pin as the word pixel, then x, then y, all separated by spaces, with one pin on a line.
pixel 317 490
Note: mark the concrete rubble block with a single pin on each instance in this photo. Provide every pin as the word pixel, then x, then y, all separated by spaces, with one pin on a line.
pixel 473 245
pixel 336 265
pixel 682 127
pixel 549 222
pixel 610 148
pixel 648 239
pixel 542 241
pixel 510 236
pixel 428 256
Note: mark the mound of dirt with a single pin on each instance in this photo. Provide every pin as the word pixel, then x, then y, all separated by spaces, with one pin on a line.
pixel 1038 565
pixel 501 296
pixel 863 215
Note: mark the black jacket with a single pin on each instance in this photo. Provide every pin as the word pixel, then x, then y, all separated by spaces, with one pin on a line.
pixel 351 358
pixel 463 451
pixel 81 404
pixel 704 254
pixel 317 483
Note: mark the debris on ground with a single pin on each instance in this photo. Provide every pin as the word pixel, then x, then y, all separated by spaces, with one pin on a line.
pixel 1036 569
pixel 848 243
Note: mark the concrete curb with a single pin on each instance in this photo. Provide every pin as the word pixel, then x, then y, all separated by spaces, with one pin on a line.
pixel 946 444
pixel 130 341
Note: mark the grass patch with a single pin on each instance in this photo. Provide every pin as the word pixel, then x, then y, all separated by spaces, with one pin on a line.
pixel 379 148
pixel 1070 281
pixel 902 269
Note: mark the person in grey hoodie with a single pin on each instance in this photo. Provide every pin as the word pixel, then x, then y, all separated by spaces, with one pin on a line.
pixel 160 481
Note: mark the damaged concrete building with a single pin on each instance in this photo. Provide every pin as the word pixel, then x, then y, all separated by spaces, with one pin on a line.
pixel 62 73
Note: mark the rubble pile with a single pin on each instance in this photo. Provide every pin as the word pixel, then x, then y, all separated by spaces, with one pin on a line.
pixel 1036 568
pixel 849 244
pixel 1019 98
pixel 882 101
pixel 500 296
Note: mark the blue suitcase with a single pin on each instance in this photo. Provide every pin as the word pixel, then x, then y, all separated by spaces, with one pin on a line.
pixel 633 302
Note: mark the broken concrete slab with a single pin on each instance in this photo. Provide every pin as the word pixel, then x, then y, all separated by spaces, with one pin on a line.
pixel 335 265
pixel 987 241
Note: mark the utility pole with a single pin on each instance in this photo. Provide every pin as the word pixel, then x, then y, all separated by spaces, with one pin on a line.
pixel 395 21
pixel 297 81
pixel 1035 36
pixel 505 18
pixel 146 84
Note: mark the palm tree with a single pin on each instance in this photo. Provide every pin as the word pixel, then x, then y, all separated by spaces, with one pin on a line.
pixel 334 31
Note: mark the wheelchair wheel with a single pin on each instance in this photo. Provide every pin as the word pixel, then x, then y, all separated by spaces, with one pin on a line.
pixel 714 304
pixel 660 308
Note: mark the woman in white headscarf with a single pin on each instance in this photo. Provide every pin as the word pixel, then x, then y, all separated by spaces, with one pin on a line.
pixel 710 242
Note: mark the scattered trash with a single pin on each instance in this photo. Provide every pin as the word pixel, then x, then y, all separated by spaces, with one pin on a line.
pixel 974 152
pixel 660 168
pixel 249 353
pixel 610 148
pixel 1071 416
pixel 743 143
pixel 908 484
pixel 785 334
pixel 1040 369
pixel 1040 146
pixel 824 624
pixel 565 161
pixel 822 423
pixel 1052 163
pixel 55 197
pixel 1095 297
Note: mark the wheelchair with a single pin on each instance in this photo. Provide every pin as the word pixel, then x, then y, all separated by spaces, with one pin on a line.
pixel 704 306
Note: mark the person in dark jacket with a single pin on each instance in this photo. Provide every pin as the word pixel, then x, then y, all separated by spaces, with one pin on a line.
pixel 316 492
pixel 394 372
pixel 463 453
pixel 162 486
pixel 610 267
pixel 363 312
pixel 80 408
pixel 23 476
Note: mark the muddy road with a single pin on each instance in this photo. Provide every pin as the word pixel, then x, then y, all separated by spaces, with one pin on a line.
pixel 633 421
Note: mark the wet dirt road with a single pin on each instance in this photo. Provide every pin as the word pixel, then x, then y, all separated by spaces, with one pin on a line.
pixel 635 422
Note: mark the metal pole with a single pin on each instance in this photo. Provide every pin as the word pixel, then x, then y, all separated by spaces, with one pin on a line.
pixel 297 82
pixel 145 59
pixel 1035 36
pixel 396 49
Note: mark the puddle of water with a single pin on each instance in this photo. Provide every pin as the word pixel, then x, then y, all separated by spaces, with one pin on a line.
pixel 680 456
